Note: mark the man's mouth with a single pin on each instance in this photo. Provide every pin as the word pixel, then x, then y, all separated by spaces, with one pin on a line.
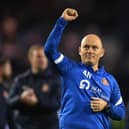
pixel 89 56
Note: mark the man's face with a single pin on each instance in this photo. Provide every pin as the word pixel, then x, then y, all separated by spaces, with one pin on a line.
pixel 91 50
pixel 38 60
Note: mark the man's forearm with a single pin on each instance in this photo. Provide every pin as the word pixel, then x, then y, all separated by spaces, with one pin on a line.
pixel 14 102
pixel 116 112
pixel 53 40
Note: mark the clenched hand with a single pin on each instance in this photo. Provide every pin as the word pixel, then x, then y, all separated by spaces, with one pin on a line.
pixel 69 14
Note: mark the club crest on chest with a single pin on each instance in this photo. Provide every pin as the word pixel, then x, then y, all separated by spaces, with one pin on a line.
pixel 105 81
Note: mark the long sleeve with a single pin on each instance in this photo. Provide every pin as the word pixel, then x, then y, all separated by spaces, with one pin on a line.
pixel 63 63
pixel 116 105
pixel 14 95
pixel 52 43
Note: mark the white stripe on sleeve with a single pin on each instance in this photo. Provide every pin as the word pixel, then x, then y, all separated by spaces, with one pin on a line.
pixel 59 59
pixel 119 101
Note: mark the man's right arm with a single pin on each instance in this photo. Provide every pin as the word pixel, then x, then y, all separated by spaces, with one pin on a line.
pixel 52 43
pixel 53 40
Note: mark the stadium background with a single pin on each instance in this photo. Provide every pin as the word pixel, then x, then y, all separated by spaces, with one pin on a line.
pixel 32 20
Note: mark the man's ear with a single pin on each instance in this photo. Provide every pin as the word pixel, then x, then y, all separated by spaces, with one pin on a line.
pixel 103 52
pixel 79 51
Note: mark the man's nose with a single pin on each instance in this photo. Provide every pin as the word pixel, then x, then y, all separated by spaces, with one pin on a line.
pixel 90 50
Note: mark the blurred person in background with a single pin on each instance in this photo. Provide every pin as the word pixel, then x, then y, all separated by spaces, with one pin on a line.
pixel 90 95
pixel 7 74
pixel 10 42
pixel 7 80
pixel 35 94
pixel 6 115
pixel 9 37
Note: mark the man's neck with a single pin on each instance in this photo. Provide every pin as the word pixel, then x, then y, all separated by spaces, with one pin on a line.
pixel 95 68
pixel 35 71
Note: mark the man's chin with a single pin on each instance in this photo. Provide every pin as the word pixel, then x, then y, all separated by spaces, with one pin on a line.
pixel 89 63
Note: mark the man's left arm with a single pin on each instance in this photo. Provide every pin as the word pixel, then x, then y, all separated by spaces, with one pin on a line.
pixel 116 108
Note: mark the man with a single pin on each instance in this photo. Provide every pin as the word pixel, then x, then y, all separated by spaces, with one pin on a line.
pixel 35 94
pixel 90 95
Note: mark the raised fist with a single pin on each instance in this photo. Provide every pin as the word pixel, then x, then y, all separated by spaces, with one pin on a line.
pixel 69 14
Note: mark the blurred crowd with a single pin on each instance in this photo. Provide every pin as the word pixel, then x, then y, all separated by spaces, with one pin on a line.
pixel 28 22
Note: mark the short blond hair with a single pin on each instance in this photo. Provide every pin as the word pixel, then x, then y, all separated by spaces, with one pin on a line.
pixel 33 48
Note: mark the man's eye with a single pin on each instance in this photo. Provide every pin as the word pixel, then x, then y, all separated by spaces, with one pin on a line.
pixel 95 48
pixel 86 47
